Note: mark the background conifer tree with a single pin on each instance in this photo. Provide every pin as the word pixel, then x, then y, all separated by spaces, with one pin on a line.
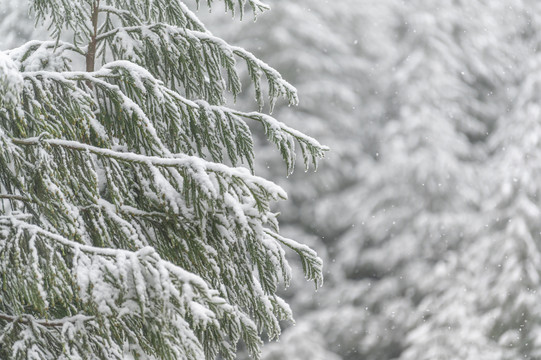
pixel 129 227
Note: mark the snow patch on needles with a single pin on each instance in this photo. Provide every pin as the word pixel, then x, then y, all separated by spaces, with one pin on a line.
pixel 11 81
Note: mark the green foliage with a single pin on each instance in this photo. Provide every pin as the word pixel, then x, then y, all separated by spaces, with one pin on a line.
pixel 124 231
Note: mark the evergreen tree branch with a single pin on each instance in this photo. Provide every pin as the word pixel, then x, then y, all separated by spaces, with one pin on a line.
pixel 141 80
pixel 158 286
pixel 141 42
pixel 311 263
pixel 195 164
pixel 257 6
pixel 27 319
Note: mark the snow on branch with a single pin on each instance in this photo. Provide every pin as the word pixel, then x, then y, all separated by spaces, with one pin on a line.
pixel 36 55
pixel 198 125
pixel 217 117
pixel 283 135
pixel 117 285
pixel 26 319
pixel 123 77
pixel 224 231
pixel 57 105
pixel 196 168
pixel 200 74
pixel 11 81
pixel 248 196
pixel 311 263
pixel 75 86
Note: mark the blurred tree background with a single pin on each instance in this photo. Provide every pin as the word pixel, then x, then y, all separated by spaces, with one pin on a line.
pixel 16 24
pixel 428 211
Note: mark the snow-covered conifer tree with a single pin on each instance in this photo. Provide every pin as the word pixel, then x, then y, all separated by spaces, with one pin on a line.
pixel 132 224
